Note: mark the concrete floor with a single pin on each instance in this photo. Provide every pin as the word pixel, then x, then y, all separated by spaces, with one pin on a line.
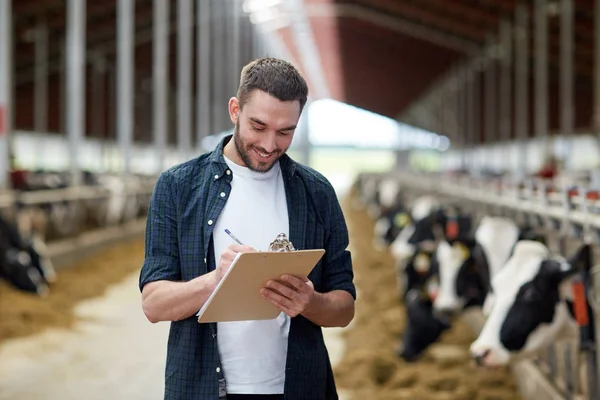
pixel 115 354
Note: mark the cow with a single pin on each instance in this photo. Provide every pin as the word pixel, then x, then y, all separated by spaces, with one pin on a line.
pixel 429 223
pixel 532 305
pixel 423 326
pixel 465 265
pixel 457 276
pixel 20 263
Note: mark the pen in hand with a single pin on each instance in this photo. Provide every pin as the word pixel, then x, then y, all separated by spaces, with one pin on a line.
pixel 227 231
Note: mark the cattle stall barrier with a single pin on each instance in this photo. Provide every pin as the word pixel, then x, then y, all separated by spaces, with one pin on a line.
pixel 568 215
pixel 127 206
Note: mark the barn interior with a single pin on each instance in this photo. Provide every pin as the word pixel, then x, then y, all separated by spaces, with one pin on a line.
pixel 432 120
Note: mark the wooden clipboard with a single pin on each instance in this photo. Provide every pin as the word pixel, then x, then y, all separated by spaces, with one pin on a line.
pixel 237 296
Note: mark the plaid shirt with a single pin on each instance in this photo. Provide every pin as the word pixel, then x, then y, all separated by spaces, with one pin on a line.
pixel 186 201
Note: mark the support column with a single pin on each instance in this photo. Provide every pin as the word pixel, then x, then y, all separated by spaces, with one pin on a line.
pixel 184 78
pixel 472 115
pixel 505 117
pixel 218 76
pixel 160 75
pixel 125 83
pixel 541 70
pixel 75 74
pixel 490 97
pixel 99 96
pixel 41 78
pixel 5 85
pixel 236 11
pixel 566 75
pixel 596 117
pixel 522 84
pixel 204 70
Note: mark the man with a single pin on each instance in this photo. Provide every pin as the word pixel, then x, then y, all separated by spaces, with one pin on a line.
pixel 250 186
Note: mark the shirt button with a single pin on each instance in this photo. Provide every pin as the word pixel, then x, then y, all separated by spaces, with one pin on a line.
pixel 205 261
pixel 216 176
pixel 222 194
pixel 228 172
pixel 210 221
pixel 218 369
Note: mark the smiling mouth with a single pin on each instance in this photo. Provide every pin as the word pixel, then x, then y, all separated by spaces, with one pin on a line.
pixel 264 156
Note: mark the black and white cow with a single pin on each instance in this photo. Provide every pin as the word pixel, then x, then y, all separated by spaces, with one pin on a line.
pixel 465 265
pixel 423 326
pixel 20 264
pixel 531 308
pixel 393 215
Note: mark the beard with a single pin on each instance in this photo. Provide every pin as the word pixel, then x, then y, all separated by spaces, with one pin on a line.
pixel 245 152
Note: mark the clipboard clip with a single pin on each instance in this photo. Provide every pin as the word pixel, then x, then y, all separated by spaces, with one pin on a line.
pixel 281 243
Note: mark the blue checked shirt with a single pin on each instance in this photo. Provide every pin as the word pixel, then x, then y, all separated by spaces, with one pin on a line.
pixel 186 201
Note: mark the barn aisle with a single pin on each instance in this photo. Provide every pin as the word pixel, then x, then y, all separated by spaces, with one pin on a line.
pixel 110 352
pixel 114 352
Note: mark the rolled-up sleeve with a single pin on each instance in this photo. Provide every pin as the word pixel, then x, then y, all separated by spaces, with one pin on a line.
pixel 161 256
pixel 337 272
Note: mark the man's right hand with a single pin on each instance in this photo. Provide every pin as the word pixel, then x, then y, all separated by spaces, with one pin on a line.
pixel 227 258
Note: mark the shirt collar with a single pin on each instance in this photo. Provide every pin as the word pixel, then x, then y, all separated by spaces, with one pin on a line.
pixel 219 166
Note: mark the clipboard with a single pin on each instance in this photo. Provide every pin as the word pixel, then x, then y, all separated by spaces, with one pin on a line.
pixel 237 296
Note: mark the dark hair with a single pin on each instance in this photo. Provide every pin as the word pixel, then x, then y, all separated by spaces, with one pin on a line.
pixel 276 77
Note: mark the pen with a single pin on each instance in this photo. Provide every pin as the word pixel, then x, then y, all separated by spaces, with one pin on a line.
pixel 233 237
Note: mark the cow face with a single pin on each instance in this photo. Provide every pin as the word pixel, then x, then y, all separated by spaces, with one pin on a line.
pixel 528 312
pixel 391 224
pixel 463 276
pixel 419 233
pixel 419 270
pixel 17 269
pixel 422 328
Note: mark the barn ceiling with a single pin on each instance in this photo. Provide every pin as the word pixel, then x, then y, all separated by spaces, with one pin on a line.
pixel 380 55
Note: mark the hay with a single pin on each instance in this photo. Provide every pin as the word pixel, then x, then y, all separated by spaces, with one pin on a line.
pixel 370 369
pixel 23 314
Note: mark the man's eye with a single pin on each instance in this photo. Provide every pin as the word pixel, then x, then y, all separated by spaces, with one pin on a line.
pixel 258 129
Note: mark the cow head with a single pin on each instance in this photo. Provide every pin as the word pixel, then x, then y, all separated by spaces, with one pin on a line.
pixel 16 267
pixel 420 232
pixel 463 276
pixel 423 327
pixel 419 270
pixel 529 311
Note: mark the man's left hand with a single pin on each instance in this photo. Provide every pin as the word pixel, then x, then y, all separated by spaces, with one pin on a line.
pixel 291 294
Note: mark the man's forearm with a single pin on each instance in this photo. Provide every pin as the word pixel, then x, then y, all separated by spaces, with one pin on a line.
pixel 332 309
pixel 174 301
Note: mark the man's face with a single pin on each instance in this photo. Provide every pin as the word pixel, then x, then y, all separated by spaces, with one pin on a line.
pixel 264 129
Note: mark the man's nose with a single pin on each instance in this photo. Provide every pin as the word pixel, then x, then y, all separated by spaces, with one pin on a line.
pixel 269 144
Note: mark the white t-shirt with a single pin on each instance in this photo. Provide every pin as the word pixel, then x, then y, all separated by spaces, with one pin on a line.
pixel 253 353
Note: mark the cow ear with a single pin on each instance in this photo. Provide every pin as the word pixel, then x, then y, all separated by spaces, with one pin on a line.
pixel 581 260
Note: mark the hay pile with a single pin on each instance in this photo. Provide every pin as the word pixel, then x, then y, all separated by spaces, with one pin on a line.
pixel 371 370
pixel 23 314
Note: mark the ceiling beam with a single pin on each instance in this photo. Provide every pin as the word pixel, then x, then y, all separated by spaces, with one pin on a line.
pixel 444 23
pixel 394 23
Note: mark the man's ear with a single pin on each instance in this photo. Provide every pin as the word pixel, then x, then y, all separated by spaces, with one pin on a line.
pixel 234 109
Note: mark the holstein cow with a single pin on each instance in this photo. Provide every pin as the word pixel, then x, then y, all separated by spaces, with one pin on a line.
pixel 532 306
pixel 458 277
pixel 393 214
pixel 20 264
pixel 466 265
pixel 414 247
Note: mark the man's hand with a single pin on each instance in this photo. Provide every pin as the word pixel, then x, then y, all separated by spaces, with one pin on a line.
pixel 228 256
pixel 291 294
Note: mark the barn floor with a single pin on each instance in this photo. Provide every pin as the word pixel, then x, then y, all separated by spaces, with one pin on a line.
pixel 89 338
